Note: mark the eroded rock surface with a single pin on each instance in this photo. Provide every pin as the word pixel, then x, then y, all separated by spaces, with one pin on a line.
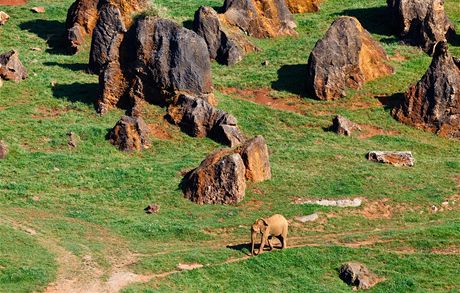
pixel 303 6
pixel 220 179
pixel 357 275
pixel 434 102
pixel 392 158
pixel 11 67
pixel 344 126
pixel 255 155
pixel 130 134
pixel 346 57
pixel 198 118
pixel 421 23
pixel 226 45
pixel 260 18
pixel 156 60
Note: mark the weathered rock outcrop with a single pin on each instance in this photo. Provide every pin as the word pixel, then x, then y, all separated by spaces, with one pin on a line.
pixel 421 23
pixel 83 15
pixel 156 60
pixel 255 155
pixel 226 44
pixel 220 179
pixel 434 102
pixel 11 67
pixel 4 17
pixel 346 57
pixel 130 134
pixel 3 150
pixel 260 18
pixel 303 6
pixel 198 118
pixel 342 125
pixel 392 158
pixel 357 275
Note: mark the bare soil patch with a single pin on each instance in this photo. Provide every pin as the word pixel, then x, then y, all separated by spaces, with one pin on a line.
pixel 369 131
pixel 13 2
pixel 378 209
pixel 160 131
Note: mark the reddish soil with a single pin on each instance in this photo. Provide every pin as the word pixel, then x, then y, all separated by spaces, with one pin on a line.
pixel 377 210
pixel 368 131
pixel 398 57
pixel 13 2
pixel 160 131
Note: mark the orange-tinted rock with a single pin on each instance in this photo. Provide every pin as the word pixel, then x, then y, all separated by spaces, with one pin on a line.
pixel 303 6
pixel 346 57
pixel 130 134
pixel 421 23
pixel 434 102
pixel 260 18
pixel 3 17
pixel 256 159
pixel 11 67
pixel 220 179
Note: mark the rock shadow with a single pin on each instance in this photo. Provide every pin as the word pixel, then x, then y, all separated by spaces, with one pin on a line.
pixel 52 31
pixel 373 19
pixel 292 79
pixel 86 93
pixel 391 102
pixel 71 66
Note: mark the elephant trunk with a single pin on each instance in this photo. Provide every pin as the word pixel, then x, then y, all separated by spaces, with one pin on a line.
pixel 253 241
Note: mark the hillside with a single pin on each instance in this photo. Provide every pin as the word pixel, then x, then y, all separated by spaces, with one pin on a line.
pixel 73 218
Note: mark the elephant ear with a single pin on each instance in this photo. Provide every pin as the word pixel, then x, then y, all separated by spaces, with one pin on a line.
pixel 263 225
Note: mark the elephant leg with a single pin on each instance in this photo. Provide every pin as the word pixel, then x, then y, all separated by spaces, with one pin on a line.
pixel 284 241
pixel 270 244
pixel 262 244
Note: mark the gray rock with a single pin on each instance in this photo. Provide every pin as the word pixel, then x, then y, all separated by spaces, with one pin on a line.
pixel 357 275
pixel 309 218
pixel 343 203
pixel 392 158
pixel 342 125
pixel 220 179
pixel 198 118
pixel 11 67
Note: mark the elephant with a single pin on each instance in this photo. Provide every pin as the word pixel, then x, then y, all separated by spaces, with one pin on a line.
pixel 276 226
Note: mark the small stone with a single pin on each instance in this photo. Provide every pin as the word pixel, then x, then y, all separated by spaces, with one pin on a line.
pixel 344 126
pixel 35 49
pixel 309 218
pixel 188 267
pixel 3 17
pixel 357 275
pixel 392 158
pixel 3 150
pixel 73 139
pixel 152 209
pixel 38 9
pixel 434 209
pixel 343 203
pixel 53 83
pixel 56 169
pixel 130 134
pixel 266 63
pixel 36 198
pixel 11 67
pixel 446 203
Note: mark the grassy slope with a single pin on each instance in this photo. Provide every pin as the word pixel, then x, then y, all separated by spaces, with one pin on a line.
pixel 89 200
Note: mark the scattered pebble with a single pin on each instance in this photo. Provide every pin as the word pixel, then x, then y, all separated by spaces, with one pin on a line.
pixel 266 63
pixel 152 209
pixel 38 9
pixel 35 49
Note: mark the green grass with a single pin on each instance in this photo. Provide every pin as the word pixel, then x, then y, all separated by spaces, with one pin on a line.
pixel 90 200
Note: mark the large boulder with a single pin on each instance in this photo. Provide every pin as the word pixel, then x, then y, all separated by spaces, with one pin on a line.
pixel 156 60
pixel 346 57
pixel 255 155
pixel 260 18
pixel 358 275
pixel 226 44
pixel 83 15
pixel 421 23
pixel 11 67
pixel 199 118
pixel 303 6
pixel 109 26
pixel 130 134
pixel 220 179
pixel 434 102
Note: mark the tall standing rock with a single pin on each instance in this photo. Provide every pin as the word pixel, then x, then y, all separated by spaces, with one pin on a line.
pixel 434 102
pixel 303 6
pixel 256 159
pixel 346 57
pixel 260 18
pixel 11 67
pixel 156 60
pixel 421 23
pixel 226 44
pixel 220 179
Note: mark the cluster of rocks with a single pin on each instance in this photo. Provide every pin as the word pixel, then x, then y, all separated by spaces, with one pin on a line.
pixel 434 102
pixel 221 177
pixel 11 67
pixel 83 15
pixel 421 23
pixel 346 57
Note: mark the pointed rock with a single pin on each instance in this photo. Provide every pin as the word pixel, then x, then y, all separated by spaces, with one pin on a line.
pixel 11 67
pixel 130 134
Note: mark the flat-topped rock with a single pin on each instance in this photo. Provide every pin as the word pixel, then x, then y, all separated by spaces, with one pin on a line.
pixel 392 158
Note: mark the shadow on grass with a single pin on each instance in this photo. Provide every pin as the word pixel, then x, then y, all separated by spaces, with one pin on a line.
pixel 77 92
pixel 391 102
pixel 374 19
pixel 243 247
pixel 292 79
pixel 71 66
pixel 52 31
